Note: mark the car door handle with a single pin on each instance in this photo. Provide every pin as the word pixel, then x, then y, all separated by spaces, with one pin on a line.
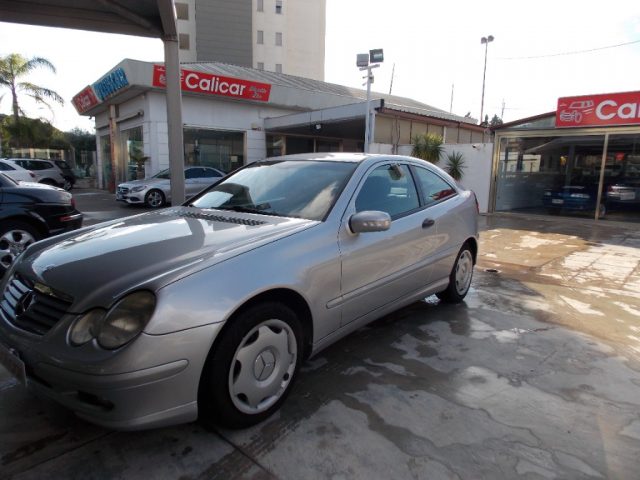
pixel 429 222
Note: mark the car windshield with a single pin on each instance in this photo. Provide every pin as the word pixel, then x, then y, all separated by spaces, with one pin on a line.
pixel 300 189
pixel 164 174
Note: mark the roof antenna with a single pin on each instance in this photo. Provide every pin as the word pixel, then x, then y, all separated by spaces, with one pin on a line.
pixel 393 70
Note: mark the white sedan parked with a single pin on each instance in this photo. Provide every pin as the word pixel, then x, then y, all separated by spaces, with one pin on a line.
pixel 16 172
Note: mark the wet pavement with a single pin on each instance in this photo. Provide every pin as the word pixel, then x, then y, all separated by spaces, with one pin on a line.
pixel 535 375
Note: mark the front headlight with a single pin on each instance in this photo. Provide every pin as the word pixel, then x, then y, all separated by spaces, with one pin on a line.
pixel 121 324
pixel 139 188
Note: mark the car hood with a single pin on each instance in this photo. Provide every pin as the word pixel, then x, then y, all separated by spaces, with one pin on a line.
pixel 102 262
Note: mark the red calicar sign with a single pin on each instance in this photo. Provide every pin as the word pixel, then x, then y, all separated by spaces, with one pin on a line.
pixel 597 110
pixel 208 83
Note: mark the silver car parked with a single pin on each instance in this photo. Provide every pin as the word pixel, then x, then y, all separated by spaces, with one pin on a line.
pixel 155 191
pixel 208 309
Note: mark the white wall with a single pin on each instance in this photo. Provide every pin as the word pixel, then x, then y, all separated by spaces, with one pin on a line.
pixel 477 174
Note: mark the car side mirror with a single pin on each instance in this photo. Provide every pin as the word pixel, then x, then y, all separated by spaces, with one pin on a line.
pixel 370 221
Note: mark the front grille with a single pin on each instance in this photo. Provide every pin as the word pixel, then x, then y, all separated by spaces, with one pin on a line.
pixel 123 190
pixel 30 307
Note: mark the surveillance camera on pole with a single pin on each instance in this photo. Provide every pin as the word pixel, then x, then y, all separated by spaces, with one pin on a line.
pixel 368 62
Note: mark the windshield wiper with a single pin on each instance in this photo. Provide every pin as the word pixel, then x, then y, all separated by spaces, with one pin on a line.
pixel 239 208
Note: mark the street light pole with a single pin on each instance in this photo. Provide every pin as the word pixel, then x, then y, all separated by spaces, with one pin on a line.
pixel 368 62
pixel 485 41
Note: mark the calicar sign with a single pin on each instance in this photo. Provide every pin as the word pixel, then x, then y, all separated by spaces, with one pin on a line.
pixel 207 83
pixel 598 110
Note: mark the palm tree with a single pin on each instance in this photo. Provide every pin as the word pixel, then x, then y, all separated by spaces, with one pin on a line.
pixel 455 165
pixel 13 67
pixel 428 147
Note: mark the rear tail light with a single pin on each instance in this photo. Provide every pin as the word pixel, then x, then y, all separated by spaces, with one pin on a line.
pixel 33 175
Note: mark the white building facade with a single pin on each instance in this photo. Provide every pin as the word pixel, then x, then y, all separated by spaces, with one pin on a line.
pixel 283 36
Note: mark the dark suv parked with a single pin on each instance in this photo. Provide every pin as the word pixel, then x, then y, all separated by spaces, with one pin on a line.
pixel 30 213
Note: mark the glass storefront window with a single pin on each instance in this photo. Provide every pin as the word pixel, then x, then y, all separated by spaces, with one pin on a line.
pixel 621 185
pixel 223 150
pixel 107 164
pixel 132 148
pixel 555 175
pixel 560 175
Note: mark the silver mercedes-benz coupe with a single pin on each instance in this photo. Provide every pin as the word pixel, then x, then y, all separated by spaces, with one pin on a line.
pixel 207 310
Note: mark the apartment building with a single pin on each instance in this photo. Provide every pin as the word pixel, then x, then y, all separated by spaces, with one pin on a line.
pixel 282 36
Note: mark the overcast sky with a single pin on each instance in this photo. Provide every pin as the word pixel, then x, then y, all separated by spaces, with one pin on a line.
pixel 434 45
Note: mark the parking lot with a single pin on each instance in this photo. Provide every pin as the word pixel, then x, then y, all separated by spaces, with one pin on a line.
pixel 535 375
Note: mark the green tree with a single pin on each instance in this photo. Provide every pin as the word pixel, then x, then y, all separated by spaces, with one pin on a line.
pixel 495 121
pixel 13 68
pixel 455 165
pixel 428 147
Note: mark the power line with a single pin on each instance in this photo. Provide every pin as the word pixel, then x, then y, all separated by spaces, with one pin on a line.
pixel 576 52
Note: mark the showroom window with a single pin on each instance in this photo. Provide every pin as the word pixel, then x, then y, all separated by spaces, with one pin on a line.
pixel 219 149
pixel 278 39
pixel 260 37
pixel 261 5
pixel 132 148
pixel 260 66
pixel 278 68
pixel 279 7
pixel 554 174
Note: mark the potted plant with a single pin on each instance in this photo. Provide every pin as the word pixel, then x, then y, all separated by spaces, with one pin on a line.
pixel 455 165
pixel 428 147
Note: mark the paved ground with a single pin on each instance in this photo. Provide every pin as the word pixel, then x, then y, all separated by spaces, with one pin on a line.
pixel 536 375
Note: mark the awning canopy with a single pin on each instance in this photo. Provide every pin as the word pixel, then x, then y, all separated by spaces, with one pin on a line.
pixel 145 18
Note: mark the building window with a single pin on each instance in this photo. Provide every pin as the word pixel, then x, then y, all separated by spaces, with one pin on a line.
pixel 260 65
pixel 261 5
pixel 183 39
pixel 182 11
pixel 260 37
pixel 279 39
pixel 279 7
pixel 278 68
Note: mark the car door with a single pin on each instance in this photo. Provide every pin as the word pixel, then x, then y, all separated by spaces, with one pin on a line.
pixel 442 205
pixel 381 267
pixel 192 183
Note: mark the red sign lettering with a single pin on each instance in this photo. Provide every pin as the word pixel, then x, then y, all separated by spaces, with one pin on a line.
pixel 598 110
pixel 201 82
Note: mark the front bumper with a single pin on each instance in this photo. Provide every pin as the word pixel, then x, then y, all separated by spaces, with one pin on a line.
pixel 152 382
pixel 131 198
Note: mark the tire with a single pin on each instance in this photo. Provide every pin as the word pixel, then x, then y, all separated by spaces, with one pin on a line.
pixel 15 236
pixel 460 277
pixel 67 185
pixel 251 369
pixel 154 199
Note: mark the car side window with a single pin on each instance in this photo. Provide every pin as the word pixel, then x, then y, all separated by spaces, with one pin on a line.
pixel 192 173
pixel 210 173
pixel 434 187
pixel 5 168
pixel 389 188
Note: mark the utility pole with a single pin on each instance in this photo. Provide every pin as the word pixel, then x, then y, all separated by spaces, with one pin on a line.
pixel 451 105
pixel 393 71
pixel 485 41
